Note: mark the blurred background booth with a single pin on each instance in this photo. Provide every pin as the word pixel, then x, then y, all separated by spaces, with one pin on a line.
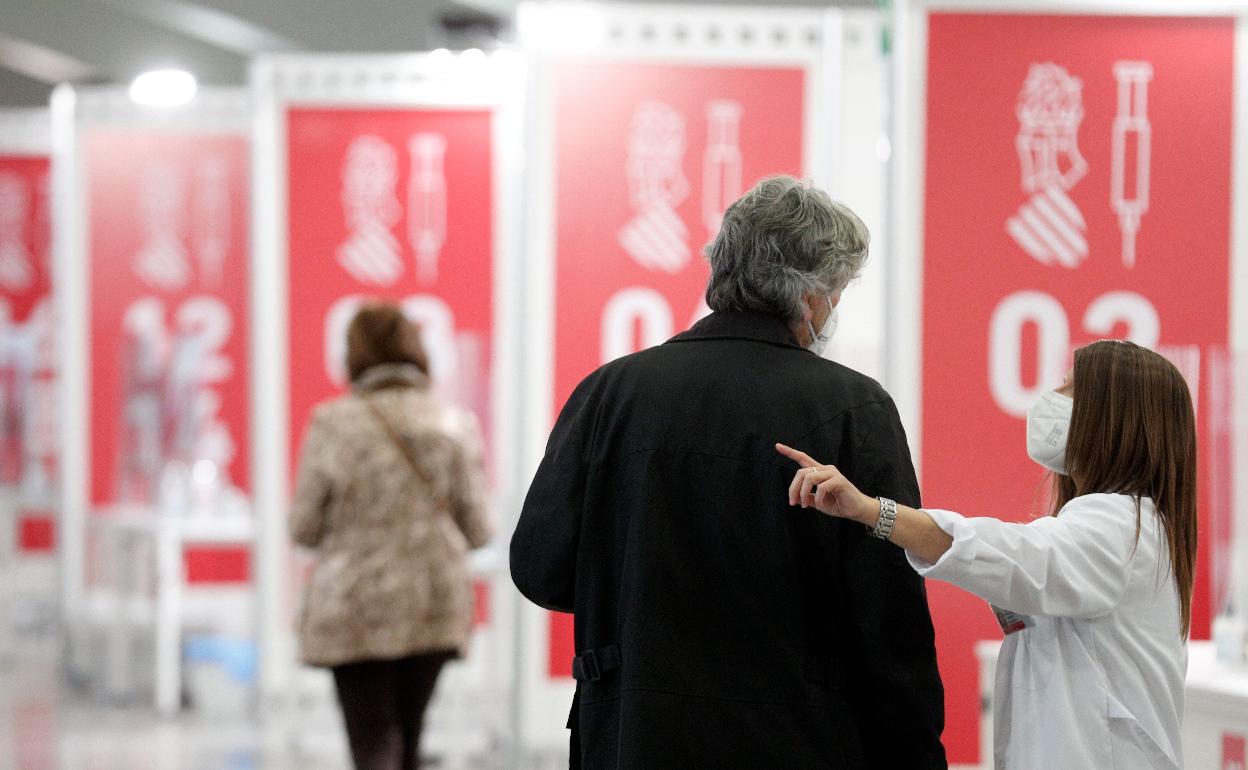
pixel 152 263
pixel 28 398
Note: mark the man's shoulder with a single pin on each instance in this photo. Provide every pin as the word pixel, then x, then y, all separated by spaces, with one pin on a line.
pixel 850 378
pixel 791 372
pixel 657 357
pixel 819 378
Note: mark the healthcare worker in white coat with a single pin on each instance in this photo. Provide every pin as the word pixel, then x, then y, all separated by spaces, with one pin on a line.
pixel 1095 600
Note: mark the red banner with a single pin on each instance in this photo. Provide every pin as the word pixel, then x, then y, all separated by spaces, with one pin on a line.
pixel 1234 755
pixel 397 205
pixel 641 185
pixel 25 236
pixel 27 355
pixel 1077 187
pixel 168 246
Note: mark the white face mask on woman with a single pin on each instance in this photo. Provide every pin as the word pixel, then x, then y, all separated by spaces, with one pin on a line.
pixel 819 342
pixel 1048 424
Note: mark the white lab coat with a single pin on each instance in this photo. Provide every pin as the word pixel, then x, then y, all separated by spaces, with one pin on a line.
pixel 1097 681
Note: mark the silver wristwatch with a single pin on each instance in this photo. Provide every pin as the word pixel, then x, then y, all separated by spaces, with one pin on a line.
pixel 888 517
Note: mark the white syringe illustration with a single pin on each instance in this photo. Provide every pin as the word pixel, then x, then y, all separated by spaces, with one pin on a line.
pixel 426 203
pixel 721 161
pixel 1131 131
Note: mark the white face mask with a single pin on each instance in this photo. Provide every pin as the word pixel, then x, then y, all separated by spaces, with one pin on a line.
pixel 819 342
pixel 1048 424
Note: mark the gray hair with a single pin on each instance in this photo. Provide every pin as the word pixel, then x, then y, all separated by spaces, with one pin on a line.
pixel 778 243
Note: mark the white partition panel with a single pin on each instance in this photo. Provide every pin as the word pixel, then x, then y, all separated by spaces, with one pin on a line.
pixel 439 135
pixel 1064 274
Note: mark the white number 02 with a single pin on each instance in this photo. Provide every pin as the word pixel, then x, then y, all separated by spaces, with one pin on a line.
pixel 1005 339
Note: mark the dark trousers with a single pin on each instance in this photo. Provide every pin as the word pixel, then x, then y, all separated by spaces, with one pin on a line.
pixel 383 705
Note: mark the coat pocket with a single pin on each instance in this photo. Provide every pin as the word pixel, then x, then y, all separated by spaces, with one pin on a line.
pixel 1133 747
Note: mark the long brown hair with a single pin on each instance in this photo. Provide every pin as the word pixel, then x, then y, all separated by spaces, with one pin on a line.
pixel 1133 432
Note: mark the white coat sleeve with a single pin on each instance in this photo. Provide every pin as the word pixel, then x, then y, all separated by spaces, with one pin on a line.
pixel 1074 565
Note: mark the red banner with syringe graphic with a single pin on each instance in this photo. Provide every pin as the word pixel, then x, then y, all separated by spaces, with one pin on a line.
pixel 641 187
pixel 28 451
pixel 395 205
pixel 1077 186
pixel 167 238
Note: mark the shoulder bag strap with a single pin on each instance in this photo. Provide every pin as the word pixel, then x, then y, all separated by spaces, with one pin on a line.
pixel 408 454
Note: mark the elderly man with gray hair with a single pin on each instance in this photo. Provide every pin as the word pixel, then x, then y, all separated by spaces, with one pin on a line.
pixel 717 627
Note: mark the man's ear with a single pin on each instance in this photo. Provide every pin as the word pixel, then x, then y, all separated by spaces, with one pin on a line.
pixel 807 304
pixel 836 299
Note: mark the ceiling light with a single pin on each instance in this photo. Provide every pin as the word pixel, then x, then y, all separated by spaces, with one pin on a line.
pixel 564 27
pixel 163 88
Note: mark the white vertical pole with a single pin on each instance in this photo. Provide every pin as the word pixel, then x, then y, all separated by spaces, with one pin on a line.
pixel 9 510
pixel 532 291
pixel 1239 323
pixel 903 279
pixel 116 550
pixel 508 391
pixel 169 578
pixel 71 313
pixel 895 25
pixel 532 701
pixel 269 412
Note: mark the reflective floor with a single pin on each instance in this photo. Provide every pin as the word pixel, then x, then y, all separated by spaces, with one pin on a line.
pixel 49 723
pixel 43 726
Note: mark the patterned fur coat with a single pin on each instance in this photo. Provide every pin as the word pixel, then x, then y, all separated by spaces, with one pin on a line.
pixel 391 576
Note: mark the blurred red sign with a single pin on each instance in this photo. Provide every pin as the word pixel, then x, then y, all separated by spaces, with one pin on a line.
pixel 25 235
pixel 1234 755
pixel 397 205
pixel 26 356
pixel 168 289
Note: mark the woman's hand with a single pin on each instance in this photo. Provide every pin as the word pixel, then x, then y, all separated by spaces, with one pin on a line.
pixel 823 487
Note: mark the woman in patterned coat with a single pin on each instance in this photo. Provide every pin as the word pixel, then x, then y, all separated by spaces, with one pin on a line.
pixel 390 495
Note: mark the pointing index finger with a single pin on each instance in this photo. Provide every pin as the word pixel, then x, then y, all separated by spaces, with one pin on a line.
pixel 801 458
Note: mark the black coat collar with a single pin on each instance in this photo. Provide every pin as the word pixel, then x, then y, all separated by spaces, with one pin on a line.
pixel 741 326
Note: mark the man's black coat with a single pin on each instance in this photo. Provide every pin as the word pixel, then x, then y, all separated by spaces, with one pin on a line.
pixel 724 628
